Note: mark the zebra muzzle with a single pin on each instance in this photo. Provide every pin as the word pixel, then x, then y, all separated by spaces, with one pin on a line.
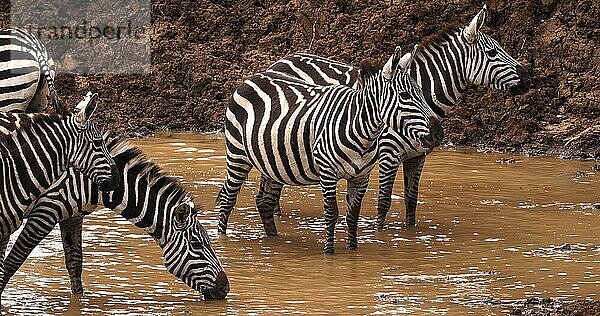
pixel 435 136
pixel 220 290
pixel 524 84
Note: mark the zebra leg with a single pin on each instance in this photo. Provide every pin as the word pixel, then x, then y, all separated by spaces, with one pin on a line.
pixel 387 176
pixel 39 224
pixel 236 175
pixel 412 174
pixel 70 232
pixel 276 188
pixel 356 192
pixel 268 196
pixel 3 243
pixel 330 210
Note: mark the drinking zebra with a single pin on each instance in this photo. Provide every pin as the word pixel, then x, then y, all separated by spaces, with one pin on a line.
pixel 299 133
pixel 27 73
pixel 445 65
pixel 36 149
pixel 145 196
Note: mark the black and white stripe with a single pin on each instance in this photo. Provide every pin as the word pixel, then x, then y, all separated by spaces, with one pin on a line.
pixel 445 65
pixel 145 196
pixel 37 149
pixel 26 74
pixel 299 133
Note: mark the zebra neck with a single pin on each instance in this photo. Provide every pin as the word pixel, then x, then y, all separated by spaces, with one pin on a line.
pixel 439 69
pixel 146 197
pixel 366 118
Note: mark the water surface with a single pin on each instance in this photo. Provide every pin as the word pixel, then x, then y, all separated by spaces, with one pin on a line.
pixel 489 233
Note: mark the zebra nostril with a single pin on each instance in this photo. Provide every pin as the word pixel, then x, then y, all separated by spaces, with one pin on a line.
pixel 220 290
pixel 222 282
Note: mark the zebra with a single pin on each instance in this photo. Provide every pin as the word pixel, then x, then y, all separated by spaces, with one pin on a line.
pixel 148 198
pixel 298 133
pixel 37 148
pixel 445 65
pixel 27 74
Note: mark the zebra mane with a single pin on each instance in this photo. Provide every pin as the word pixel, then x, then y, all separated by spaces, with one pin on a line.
pixel 369 68
pixel 440 36
pixel 122 150
pixel 10 128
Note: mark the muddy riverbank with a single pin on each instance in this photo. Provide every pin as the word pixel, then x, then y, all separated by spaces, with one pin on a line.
pixel 202 49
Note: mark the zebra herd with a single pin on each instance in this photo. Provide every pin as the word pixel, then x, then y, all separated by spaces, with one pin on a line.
pixel 304 120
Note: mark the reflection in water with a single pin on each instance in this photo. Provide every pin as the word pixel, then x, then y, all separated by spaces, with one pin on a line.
pixel 491 232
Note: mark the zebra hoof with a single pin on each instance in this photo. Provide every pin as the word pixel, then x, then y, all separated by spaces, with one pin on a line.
pixel 76 287
pixel 352 247
pixel 329 250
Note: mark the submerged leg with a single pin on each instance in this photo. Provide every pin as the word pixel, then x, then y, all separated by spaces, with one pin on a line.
pixel 356 193
pixel 268 196
pixel 3 243
pixel 388 167
pixel 276 188
pixel 237 171
pixel 39 224
pixel 70 231
pixel 412 169
pixel 330 211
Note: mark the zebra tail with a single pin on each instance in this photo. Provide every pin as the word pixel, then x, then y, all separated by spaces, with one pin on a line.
pixel 59 107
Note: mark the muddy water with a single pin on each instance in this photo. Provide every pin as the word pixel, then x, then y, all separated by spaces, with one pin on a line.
pixel 489 233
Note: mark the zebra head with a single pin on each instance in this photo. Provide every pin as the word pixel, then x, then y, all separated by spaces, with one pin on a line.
pixel 90 155
pixel 190 256
pixel 488 64
pixel 410 116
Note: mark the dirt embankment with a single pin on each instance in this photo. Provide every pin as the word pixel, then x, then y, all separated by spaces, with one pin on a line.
pixel 201 50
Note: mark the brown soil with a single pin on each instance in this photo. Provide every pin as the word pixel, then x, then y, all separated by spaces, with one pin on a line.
pixel 577 308
pixel 202 49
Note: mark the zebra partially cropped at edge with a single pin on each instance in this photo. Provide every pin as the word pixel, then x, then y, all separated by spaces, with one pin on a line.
pixel 298 133
pixel 445 65
pixel 36 149
pixel 27 74
pixel 145 196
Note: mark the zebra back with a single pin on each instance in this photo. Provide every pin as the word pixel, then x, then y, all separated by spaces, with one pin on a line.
pixel 28 69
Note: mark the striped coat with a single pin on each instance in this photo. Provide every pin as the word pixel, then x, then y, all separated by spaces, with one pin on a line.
pixel 445 65
pixel 297 133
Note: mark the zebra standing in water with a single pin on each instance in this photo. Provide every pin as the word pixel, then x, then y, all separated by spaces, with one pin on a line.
pixel 145 196
pixel 298 133
pixel 27 74
pixel 445 65
pixel 36 149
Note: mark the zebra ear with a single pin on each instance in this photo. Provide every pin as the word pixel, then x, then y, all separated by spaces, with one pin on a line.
pixel 182 213
pixel 476 24
pixel 85 108
pixel 407 60
pixel 390 66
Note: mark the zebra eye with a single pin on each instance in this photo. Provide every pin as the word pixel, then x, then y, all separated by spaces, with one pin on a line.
pixel 97 142
pixel 492 53
pixel 405 95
